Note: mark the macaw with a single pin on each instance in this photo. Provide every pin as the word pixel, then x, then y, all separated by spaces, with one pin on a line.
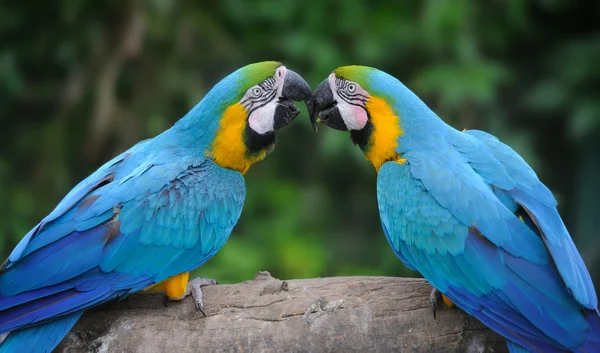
pixel 468 213
pixel 150 215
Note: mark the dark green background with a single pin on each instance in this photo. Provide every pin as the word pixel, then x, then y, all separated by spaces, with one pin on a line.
pixel 81 81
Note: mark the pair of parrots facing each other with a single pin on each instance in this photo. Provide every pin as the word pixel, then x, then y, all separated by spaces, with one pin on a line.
pixel 460 207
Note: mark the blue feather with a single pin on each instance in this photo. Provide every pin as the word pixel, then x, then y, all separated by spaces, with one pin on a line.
pixel 538 201
pixel 515 348
pixel 41 338
pixel 55 263
pixel 520 296
pixel 562 249
pixel 18 299
pixel 86 267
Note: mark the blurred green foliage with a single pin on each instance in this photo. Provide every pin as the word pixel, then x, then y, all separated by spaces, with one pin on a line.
pixel 82 81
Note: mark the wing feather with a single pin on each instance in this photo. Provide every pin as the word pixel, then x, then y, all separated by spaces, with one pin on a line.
pixel 120 234
pixel 448 223
pixel 539 203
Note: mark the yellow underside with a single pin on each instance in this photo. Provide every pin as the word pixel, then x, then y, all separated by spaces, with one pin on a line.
pixel 447 301
pixel 228 149
pixel 384 137
pixel 174 287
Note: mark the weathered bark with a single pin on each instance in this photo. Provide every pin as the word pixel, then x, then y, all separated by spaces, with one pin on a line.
pixel 343 314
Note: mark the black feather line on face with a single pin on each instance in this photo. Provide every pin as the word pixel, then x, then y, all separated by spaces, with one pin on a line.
pixel 359 137
pixel 352 96
pixel 267 86
pixel 254 141
pixel 260 102
pixel 342 91
pixel 268 93
pixel 351 99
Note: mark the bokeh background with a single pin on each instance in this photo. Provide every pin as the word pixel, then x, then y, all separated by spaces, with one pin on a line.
pixel 82 81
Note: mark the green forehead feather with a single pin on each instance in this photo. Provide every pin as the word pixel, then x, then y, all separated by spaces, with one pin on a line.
pixel 371 79
pixel 232 88
pixel 253 74
pixel 358 74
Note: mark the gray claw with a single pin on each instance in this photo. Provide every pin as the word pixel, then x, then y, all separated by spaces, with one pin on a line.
pixel 194 288
pixel 434 296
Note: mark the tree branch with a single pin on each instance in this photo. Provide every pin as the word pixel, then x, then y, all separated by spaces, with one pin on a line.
pixel 342 314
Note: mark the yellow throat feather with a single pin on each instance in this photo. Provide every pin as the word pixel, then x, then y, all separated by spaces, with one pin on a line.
pixel 228 149
pixel 383 140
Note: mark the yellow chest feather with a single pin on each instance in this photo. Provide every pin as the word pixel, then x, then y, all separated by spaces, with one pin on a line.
pixel 384 136
pixel 228 149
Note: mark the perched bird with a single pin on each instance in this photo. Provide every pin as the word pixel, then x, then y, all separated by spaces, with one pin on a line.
pixel 150 215
pixel 468 213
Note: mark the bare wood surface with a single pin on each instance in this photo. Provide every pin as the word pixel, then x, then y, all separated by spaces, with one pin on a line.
pixel 341 314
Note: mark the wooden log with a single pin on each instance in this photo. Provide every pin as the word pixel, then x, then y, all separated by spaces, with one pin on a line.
pixel 340 314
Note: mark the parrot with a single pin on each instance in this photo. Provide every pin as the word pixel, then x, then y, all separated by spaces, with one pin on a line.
pixel 146 218
pixel 468 213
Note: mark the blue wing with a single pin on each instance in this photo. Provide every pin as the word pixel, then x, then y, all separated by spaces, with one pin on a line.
pixel 539 203
pixel 444 217
pixel 137 221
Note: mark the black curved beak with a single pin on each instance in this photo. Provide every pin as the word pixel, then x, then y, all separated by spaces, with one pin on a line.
pixel 296 89
pixel 325 109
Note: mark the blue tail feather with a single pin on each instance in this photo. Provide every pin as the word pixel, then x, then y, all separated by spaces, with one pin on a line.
pixel 593 342
pixel 40 338
pixel 89 289
pixel 61 261
pixel 22 298
pixel 562 249
pixel 29 313
pixel 516 348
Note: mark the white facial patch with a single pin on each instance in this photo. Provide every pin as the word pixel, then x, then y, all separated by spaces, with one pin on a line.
pixel 261 120
pixel 351 103
pixel 261 100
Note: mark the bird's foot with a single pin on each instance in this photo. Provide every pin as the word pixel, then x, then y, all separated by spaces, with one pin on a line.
pixel 434 296
pixel 194 287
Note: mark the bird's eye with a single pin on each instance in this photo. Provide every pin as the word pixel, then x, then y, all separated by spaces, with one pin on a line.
pixel 351 88
pixel 256 91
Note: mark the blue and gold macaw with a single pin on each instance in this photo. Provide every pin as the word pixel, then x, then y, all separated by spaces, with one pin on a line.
pixel 150 215
pixel 468 213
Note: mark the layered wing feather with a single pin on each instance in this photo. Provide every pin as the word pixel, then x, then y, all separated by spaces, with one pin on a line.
pixel 452 215
pixel 531 194
pixel 133 223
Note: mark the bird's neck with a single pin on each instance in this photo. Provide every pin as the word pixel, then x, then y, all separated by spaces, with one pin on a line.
pixel 218 131
pixel 400 122
pixel 379 138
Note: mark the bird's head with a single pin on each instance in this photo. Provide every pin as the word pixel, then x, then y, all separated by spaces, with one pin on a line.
pixel 368 103
pixel 251 103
